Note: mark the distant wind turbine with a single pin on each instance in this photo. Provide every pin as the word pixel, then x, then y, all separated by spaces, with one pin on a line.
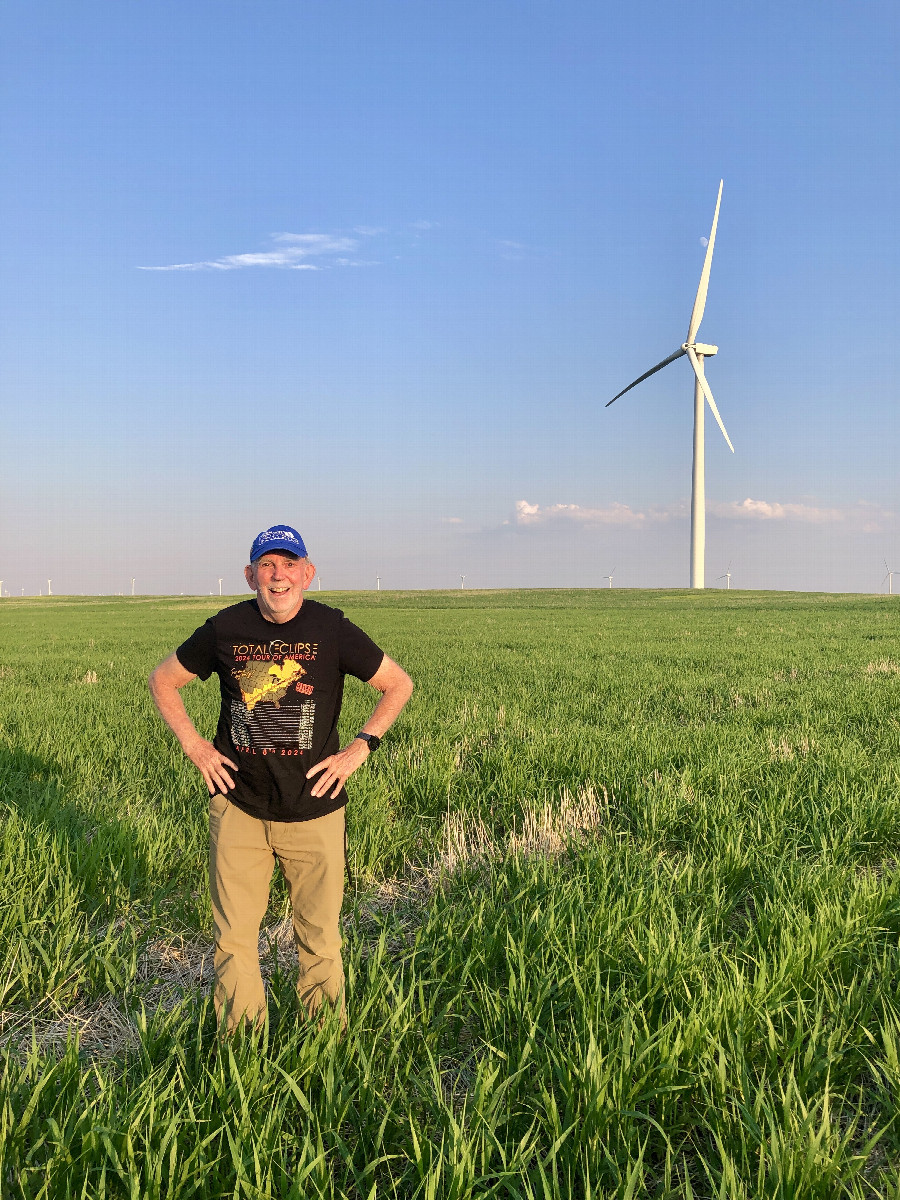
pixel 727 578
pixel 610 575
pixel 696 352
pixel 889 579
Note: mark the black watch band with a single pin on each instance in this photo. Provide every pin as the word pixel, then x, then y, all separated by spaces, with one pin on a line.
pixel 370 739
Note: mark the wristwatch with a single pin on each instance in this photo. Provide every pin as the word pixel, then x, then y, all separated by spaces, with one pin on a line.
pixel 370 739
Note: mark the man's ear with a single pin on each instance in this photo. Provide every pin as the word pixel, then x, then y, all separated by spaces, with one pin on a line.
pixel 248 575
pixel 310 574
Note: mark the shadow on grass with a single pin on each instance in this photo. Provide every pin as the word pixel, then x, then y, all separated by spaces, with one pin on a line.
pixel 74 907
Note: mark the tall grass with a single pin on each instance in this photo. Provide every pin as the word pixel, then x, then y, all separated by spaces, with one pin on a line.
pixel 626 918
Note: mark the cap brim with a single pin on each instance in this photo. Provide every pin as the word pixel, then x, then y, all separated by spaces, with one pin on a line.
pixel 283 546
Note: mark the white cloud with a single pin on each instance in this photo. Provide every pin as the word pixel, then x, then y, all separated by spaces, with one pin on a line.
pixel 292 251
pixel 771 510
pixel 529 515
pixel 862 516
pixel 451 520
pixel 872 518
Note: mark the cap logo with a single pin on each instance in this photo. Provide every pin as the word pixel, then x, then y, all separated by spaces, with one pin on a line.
pixel 282 535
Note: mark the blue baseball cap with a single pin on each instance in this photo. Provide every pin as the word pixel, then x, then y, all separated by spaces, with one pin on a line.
pixel 277 537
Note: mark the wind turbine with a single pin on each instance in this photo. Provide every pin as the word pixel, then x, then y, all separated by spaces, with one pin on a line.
pixel 889 578
pixel 727 578
pixel 610 575
pixel 696 352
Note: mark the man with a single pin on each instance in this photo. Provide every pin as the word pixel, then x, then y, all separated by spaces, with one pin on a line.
pixel 275 771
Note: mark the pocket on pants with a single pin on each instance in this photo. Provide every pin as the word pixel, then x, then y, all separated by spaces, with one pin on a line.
pixel 218 806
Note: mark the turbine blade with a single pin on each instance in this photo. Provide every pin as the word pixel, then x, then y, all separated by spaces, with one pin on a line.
pixel 646 375
pixel 708 394
pixel 700 301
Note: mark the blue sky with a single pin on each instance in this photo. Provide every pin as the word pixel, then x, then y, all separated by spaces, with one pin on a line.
pixel 374 269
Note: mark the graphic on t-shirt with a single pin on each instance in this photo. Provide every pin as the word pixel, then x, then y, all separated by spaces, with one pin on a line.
pixel 270 728
pixel 267 681
pixel 259 720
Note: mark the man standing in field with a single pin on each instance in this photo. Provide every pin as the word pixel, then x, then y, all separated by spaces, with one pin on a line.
pixel 275 771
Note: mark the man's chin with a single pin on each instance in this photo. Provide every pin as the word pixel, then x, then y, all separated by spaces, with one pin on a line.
pixel 279 604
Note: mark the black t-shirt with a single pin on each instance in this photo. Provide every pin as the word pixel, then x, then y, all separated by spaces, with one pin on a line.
pixel 282 687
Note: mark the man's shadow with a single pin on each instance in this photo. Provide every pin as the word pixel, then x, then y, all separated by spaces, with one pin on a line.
pixel 74 891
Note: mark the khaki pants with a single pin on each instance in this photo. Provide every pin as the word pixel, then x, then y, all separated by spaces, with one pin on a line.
pixel 242 854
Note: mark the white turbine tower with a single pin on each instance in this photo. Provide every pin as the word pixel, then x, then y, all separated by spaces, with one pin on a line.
pixel 696 352
pixel 727 578
pixel 610 575
pixel 888 579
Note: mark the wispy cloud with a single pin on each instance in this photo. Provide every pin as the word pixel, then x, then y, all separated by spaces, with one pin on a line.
pixel 451 520
pixel 862 516
pixel 291 252
pixel 772 510
pixel 512 251
pixel 531 515
pixel 872 518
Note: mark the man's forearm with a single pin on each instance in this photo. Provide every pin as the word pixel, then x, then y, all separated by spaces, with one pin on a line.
pixel 171 708
pixel 388 709
pixel 203 754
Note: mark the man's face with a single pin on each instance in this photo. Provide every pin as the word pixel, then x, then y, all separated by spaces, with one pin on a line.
pixel 279 580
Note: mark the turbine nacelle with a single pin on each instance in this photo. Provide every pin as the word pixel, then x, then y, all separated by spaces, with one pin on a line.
pixel 700 348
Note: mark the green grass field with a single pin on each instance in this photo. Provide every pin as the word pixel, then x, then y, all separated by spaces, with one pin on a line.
pixel 626 918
